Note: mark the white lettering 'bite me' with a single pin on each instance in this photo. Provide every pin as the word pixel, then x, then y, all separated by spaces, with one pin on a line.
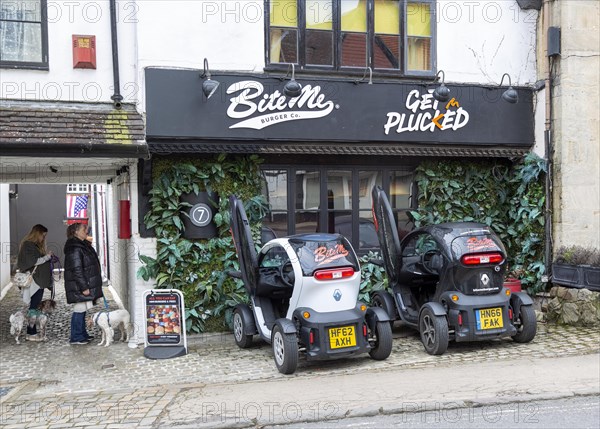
pixel 251 100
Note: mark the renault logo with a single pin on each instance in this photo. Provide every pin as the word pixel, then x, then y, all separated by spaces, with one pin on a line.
pixel 337 295
pixel 485 279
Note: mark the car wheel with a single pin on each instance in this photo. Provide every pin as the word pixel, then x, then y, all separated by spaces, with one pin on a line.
pixel 526 325
pixel 239 328
pixel 285 350
pixel 383 342
pixel 379 300
pixel 434 332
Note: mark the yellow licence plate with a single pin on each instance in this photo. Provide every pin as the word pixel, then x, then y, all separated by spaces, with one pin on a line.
pixel 343 336
pixel 489 318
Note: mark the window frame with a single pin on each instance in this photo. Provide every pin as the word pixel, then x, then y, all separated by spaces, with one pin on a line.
pixel 355 210
pixel 33 65
pixel 336 68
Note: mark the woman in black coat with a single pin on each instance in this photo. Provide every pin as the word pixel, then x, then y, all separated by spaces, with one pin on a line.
pixel 83 279
pixel 34 256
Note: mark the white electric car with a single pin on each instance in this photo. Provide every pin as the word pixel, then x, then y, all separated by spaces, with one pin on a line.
pixel 303 292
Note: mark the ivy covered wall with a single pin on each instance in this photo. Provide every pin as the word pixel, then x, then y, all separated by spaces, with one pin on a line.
pixel 198 267
pixel 508 197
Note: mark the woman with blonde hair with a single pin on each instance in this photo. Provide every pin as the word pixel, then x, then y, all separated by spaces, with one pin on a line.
pixel 83 279
pixel 33 256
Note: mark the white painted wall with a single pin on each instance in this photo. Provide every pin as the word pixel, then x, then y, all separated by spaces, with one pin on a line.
pixel 4 236
pixel 137 287
pixel 479 41
pixel 230 34
pixel 62 82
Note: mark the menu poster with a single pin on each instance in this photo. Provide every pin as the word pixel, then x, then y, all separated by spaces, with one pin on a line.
pixel 164 318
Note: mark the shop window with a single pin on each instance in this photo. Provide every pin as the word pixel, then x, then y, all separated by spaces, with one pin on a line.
pixel 394 36
pixel 333 200
pixel 23 34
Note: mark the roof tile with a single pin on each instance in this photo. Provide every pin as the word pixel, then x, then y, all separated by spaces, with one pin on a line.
pixel 71 123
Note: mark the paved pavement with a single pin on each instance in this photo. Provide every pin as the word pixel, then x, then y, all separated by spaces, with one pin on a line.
pixel 54 384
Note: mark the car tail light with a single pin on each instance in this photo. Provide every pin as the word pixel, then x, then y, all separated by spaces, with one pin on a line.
pixel 334 274
pixel 510 313
pixel 311 337
pixel 482 258
pixel 460 321
pixel 364 330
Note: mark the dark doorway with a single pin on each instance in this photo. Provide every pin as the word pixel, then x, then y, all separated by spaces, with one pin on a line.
pixel 32 204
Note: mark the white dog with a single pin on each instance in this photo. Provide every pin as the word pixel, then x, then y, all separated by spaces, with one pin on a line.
pixel 108 321
pixel 16 324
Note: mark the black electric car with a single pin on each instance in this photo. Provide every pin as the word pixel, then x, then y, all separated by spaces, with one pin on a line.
pixel 446 280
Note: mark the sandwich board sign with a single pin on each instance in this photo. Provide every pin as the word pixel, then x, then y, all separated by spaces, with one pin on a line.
pixel 164 313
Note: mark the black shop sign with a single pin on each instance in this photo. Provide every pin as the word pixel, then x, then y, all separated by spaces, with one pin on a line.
pixel 254 107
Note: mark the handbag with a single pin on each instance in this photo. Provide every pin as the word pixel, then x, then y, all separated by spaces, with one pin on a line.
pixel 23 280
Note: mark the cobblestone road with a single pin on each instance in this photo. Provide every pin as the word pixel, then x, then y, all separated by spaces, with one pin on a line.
pixel 39 381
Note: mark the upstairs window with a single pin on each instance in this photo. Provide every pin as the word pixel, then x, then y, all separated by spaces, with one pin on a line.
pixel 23 34
pixel 393 36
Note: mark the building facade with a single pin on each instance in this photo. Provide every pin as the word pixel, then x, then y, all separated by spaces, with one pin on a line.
pixel 67 115
pixel 570 63
pixel 366 113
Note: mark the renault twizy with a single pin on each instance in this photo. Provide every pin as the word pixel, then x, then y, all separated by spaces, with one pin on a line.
pixel 303 294
pixel 446 280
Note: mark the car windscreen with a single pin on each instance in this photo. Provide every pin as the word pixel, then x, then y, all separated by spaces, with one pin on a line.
pixel 484 243
pixel 321 254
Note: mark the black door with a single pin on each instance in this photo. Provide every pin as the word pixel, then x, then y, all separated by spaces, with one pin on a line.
pixel 244 245
pixel 387 233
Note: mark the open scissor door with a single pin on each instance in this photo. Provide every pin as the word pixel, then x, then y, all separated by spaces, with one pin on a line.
pixel 387 233
pixel 244 245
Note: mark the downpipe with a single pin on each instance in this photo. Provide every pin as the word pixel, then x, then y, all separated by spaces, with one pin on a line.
pixel 117 98
pixel 548 147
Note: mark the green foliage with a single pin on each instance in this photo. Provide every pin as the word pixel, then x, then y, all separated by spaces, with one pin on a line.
pixel 198 267
pixel 510 199
pixel 373 277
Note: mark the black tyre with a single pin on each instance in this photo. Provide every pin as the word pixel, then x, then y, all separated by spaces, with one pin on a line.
pixel 239 328
pixel 285 350
pixel 434 332
pixel 383 343
pixel 526 325
pixel 379 300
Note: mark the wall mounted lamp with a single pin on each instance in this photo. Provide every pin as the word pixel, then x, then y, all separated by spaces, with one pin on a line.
pixel 510 95
pixel 442 92
pixel 292 88
pixel 209 86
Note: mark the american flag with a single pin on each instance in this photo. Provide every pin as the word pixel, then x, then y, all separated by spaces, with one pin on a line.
pixel 77 206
